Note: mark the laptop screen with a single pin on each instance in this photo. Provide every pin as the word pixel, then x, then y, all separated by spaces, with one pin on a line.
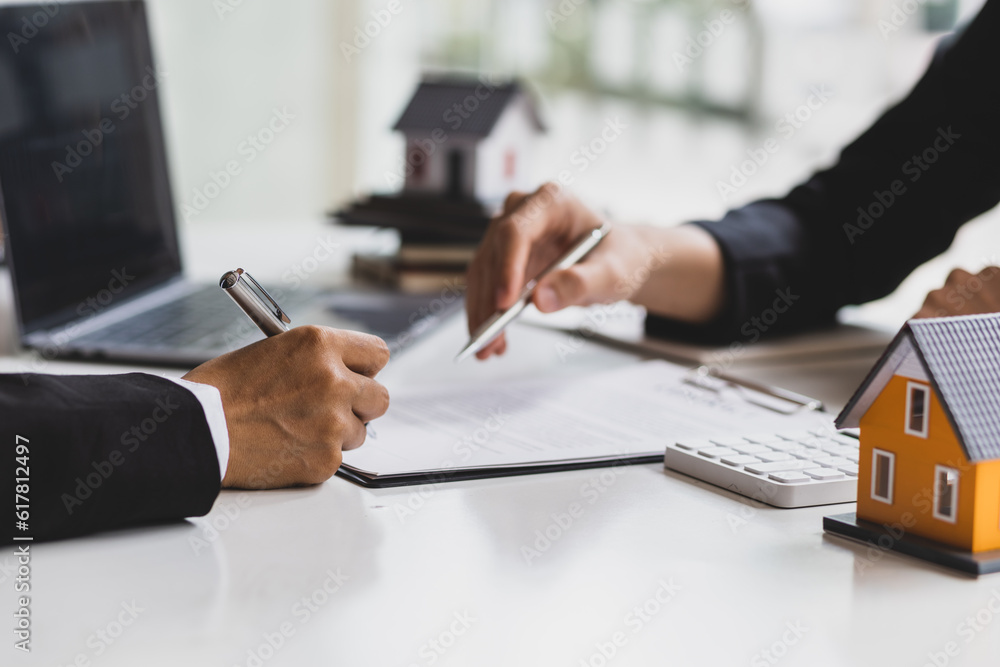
pixel 84 190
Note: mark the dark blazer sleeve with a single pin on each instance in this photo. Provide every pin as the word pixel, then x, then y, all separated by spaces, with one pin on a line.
pixel 104 452
pixel 895 199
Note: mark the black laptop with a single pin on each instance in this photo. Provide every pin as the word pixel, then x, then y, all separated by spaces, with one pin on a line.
pixel 86 204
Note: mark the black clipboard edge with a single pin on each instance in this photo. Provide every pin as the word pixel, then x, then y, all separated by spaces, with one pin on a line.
pixel 418 479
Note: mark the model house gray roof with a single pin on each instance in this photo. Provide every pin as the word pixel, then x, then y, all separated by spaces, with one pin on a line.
pixel 962 358
pixel 433 106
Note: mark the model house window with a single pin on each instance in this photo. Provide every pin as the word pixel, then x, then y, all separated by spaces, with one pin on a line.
pixel 417 159
pixel 883 470
pixel 945 493
pixel 510 164
pixel 917 407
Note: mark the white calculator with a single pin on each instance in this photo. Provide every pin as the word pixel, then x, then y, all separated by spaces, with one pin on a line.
pixel 816 467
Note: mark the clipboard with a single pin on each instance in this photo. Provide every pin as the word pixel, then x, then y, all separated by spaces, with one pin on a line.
pixel 620 417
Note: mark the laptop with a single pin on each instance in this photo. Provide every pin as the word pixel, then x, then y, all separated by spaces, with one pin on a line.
pixel 85 199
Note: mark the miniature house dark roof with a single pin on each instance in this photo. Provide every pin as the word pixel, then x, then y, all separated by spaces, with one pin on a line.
pixel 961 356
pixel 433 106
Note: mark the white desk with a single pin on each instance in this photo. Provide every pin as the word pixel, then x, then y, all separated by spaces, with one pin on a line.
pixel 419 559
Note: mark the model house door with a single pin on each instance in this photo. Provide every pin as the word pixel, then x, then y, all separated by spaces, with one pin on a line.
pixel 456 167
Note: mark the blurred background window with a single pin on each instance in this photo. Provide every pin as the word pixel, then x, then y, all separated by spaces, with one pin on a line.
pixel 694 84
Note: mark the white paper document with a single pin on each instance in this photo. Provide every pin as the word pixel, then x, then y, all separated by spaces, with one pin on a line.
pixel 628 413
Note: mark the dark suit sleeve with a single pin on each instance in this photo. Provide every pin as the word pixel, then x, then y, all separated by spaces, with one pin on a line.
pixel 105 452
pixel 895 199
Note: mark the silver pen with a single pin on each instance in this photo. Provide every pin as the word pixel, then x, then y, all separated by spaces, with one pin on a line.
pixel 254 300
pixel 492 327
pixel 259 306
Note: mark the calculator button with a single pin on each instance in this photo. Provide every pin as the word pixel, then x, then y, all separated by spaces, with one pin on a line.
pixel 778 466
pixel 784 445
pixel 715 452
pixel 832 461
pixel 739 460
pixel 775 456
pixel 850 470
pixel 693 445
pixel 751 449
pixel 824 473
pixel 727 442
pixel 790 477
pixel 839 450
pixel 802 453
pixel 760 438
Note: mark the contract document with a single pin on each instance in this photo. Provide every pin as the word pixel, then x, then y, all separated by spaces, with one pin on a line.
pixel 626 415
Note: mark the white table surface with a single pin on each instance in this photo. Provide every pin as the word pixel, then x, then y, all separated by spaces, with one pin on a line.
pixel 445 565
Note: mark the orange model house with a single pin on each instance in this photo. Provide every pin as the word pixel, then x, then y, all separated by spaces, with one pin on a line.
pixel 929 414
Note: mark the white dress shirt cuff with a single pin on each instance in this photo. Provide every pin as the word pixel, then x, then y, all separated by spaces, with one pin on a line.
pixel 211 403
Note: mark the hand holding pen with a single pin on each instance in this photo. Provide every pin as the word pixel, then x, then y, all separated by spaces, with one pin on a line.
pixel 673 271
pixel 294 402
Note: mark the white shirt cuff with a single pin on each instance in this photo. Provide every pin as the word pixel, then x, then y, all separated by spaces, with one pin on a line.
pixel 211 403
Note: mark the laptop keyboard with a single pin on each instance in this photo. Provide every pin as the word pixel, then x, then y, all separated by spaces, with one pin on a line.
pixel 207 323
pixel 203 319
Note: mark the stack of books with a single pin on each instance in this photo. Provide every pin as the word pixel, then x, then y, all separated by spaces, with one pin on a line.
pixel 438 239
pixel 417 268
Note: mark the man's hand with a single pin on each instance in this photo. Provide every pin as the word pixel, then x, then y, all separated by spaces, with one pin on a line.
pixel 964 294
pixel 672 271
pixel 293 402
